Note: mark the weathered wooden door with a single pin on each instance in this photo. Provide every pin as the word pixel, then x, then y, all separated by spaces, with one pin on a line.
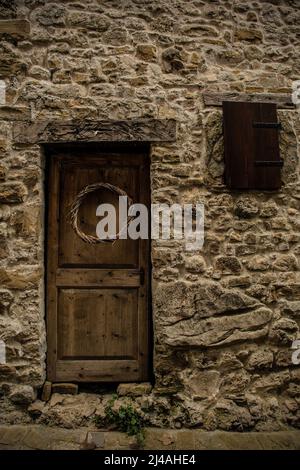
pixel 97 295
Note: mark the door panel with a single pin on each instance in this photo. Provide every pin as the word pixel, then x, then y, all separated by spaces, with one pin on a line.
pixel 73 250
pixel 97 323
pixel 97 295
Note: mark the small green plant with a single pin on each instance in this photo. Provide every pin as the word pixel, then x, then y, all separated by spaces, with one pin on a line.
pixel 126 419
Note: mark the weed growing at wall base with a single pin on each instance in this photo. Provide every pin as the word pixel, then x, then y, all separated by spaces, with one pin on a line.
pixel 125 418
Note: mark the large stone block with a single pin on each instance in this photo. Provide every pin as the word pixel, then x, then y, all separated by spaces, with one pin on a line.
pixel 259 263
pixel 93 21
pixel 250 35
pixel 3 172
pixel 6 298
pixel 284 331
pixel 199 300
pixel 217 331
pixel 201 385
pixel 134 389
pixel 7 372
pixel 146 52
pixel 172 60
pixel 271 382
pixel 228 264
pixel 229 416
pixel 246 208
pixel 21 277
pixel 15 113
pixel 285 263
pixel 18 28
pixel 22 394
pixel 27 221
pixel 12 62
pixel 51 14
pixel 261 359
pixel 11 193
pixel 70 411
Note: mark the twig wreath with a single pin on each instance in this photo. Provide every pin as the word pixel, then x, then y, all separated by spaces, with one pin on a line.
pixel 78 202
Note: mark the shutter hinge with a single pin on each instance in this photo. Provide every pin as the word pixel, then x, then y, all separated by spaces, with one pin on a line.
pixel 267 125
pixel 268 162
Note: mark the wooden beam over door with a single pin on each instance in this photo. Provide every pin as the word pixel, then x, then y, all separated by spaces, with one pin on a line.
pixel 132 130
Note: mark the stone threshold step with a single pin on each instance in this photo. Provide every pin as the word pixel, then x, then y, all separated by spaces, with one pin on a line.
pixel 40 437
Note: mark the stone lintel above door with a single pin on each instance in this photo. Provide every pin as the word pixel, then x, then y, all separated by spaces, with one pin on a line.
pixel 131 130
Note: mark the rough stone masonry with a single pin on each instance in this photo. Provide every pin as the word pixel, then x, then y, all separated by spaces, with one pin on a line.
pixel 225 318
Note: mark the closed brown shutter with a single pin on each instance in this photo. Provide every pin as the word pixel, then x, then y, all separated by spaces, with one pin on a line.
pixel 252 158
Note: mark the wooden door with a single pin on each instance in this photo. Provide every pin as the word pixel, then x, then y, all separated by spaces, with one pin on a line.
pixel 97 295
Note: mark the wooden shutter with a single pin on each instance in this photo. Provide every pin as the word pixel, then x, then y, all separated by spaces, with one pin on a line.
pixel 252 158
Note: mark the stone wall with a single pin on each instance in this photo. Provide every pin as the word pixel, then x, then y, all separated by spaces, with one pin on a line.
pixel 225 318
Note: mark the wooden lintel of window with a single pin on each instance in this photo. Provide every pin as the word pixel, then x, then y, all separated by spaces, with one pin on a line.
pixel 282 100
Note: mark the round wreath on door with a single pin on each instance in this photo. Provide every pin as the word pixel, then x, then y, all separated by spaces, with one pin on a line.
pixel 87 238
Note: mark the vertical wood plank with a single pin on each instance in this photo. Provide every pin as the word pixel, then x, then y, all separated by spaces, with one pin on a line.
pixel 144 295
pixel 52 260
pixel 267 148
pixel 237 143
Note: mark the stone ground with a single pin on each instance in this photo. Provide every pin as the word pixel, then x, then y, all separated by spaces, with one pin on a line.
pixel 225 318
pixel 19 437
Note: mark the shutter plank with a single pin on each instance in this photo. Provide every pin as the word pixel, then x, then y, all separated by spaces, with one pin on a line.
pixel 266 149
pixel 237 143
